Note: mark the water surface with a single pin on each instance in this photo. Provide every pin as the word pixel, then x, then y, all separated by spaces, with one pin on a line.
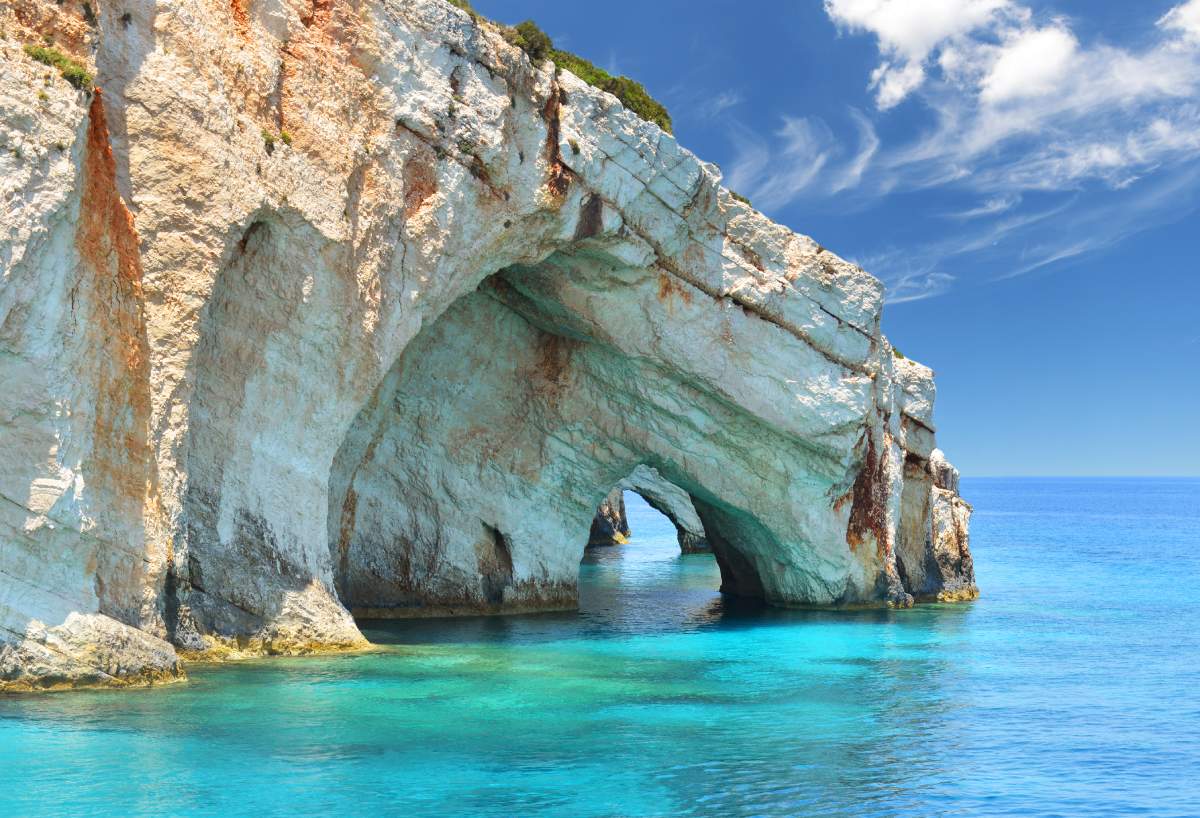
pixel 1069 689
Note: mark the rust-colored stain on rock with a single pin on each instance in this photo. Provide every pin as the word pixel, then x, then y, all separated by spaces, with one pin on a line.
pixel 108 248
pixel 420 183
pixel 560 175
pixel 241 17
pixel 868 513
pixel 668 286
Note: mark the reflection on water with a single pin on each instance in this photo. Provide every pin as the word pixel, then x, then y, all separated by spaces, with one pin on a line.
pixel 1067 690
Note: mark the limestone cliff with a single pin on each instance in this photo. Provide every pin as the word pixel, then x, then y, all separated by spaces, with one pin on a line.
pixel 319 306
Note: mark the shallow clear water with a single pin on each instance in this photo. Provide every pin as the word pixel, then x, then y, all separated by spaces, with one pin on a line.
pixel 1070 688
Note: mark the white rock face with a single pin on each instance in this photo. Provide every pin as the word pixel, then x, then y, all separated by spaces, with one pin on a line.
pixel 394 360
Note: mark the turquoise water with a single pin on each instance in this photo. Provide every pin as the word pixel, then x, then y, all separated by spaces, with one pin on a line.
pixel 1070 688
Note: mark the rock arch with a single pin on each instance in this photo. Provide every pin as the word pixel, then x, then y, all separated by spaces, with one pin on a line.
pixel 664 497
pixel 306 322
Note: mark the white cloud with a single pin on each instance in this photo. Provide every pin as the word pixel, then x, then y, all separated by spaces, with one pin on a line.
pixel 1022 105
pixel 912 28
pixel 892 84
pixel 1184 19
pixel 1033 63
pixel 1067 144
pixel 908 32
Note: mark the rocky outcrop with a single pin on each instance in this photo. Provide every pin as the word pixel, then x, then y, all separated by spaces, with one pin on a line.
pixel 610 525
pixel 346 306
pixel 933 553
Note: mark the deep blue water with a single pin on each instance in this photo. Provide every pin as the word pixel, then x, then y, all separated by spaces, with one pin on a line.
pixel 1072 688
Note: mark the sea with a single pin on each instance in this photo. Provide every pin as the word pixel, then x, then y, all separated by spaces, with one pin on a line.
pixel 1070 688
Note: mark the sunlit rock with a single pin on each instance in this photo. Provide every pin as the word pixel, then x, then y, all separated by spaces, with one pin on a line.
pixel 354 308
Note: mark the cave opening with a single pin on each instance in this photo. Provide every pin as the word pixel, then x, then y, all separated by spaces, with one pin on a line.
pixel 611 525
pixel 647 582
pixel 470 483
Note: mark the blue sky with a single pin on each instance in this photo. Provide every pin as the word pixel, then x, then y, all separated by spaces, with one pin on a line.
pixel 1023 175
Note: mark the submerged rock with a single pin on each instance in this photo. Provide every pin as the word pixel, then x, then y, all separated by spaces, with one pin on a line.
pixel 355 308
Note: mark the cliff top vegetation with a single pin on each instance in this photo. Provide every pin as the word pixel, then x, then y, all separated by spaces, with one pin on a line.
pixel 537 44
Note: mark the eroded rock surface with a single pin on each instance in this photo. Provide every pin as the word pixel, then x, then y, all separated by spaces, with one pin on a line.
pixel 328 306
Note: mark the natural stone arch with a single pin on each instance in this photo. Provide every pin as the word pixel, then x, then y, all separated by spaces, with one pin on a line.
pixel 471 479
pixel 660 494
pixel 269 328
pixel 610 526
pixel 514 451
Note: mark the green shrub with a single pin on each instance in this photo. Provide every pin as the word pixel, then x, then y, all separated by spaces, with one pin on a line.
pixel 533 41
pixel 740 198
pixel 633 95
pixel 286 138
pixel 72 71
pixel 897 353
pixel 268 140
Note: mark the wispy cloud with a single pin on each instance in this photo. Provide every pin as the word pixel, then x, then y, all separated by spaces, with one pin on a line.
pixel 1019 244
pixel 850 174
pixel 917 286
pixel 919 271
pixel 720 103
pixel 1079 231
pixel 1027 118
pixel 802 157
pixel 991 207
pixel 612 66
pixel 775 174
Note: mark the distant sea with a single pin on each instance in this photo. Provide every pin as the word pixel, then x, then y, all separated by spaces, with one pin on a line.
pixel 1071 688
